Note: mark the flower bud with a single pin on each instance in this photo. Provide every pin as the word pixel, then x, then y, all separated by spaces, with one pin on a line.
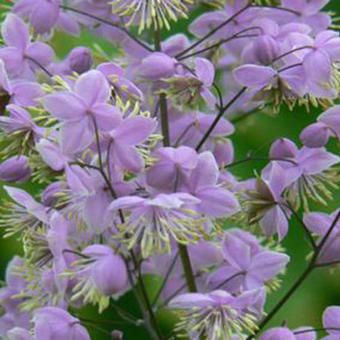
pixel 156 66
pixel 117 335
pixel 80 59
pixel 283 148
pixel 315 135
pixel 109 271
pixel 15 169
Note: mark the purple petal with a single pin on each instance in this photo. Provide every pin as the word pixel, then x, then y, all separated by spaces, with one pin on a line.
pixel 76 136
pixel 15 32
pixel 107 116
pixel 313 161
pixel 40 52
pixel 331 319
pixel 318 223
pixel 93 88
pixel 65 106
pixel 275 221
pixel 127 157
pixel 217 202
pixel 254 76
pixel 267 264
pixel 232 249
pixel 134 130
pixel 191 300
pixel 205 71
pixel 315 135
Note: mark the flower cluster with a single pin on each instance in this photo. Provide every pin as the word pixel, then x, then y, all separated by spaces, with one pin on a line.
pixel 133 152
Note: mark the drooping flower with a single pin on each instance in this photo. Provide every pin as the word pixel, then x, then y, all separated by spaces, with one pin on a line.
pixel 151 13
pixel 308 171
pixel 217 315
pixel 25 214
pixel 101 274
pixel 154 222
pixel 21 57
pixel 188 88
pixel 252 270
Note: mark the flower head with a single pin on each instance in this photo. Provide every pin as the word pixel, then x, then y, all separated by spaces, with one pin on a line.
pixel 151 13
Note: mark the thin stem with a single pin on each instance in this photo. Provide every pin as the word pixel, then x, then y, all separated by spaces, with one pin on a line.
pixel 288 67
pixel 327 264
pixel 221 42
pixel 107 22
pixel 216 29
pixel 166 279
pixel 303 331
pixel 306 230
pixel 256 159
pixel 280 9
pixel 219 116
pixel 99 152
pixel 146 297
pixel 331 228
pixel 154 329
pixel 290 52
pixel 285 298
pixel 151 331
pixel 42 67
pixel 229 279
pixel 183 251
pixel 187 268
pixel 312 265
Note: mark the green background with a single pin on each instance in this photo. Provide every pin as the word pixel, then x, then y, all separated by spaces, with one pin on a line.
pixel 255 133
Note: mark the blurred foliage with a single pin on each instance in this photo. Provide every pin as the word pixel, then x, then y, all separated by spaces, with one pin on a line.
pixel 255 133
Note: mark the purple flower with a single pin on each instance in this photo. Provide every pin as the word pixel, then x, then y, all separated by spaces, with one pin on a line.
pixel 82 110
pixel 328 124
pixel 79 60
pixel 216 315
pixel 22 57
pixel 55 323
pixel 156 66
pixel 252 270
pixel 42 14
pixel 15 169
pixel 306 170
pixel 187 87
pixel 122 141
pixel 154 222
pixel 266 204
pixel 108 271
pixel 25 214
pixel 215 201
pixel 20 92
pixel 122 85
pixel 171 167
